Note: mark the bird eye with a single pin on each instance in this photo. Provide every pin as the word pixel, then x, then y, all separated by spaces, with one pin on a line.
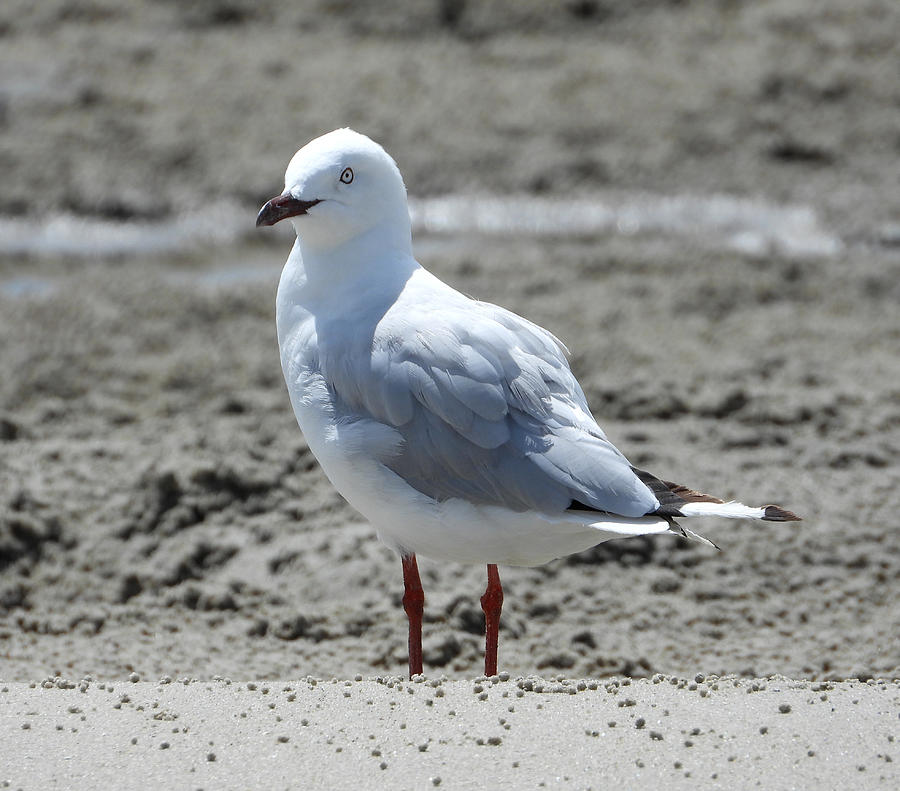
pixel 347 175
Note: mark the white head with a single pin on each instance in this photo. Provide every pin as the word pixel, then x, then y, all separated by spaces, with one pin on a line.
pixel 338 187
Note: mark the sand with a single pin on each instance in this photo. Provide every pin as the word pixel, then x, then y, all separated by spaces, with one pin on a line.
pixel 160 513
pixel 392 733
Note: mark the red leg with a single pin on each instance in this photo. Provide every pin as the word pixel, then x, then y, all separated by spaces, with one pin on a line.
pixel 491 603
pixel 413 604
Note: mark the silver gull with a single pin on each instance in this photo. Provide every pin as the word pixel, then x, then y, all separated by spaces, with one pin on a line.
pixel 454 426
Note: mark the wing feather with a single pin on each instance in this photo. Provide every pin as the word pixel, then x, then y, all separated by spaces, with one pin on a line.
pixel 487 409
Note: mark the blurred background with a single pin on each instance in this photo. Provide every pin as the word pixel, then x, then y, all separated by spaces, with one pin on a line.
pixel 701 198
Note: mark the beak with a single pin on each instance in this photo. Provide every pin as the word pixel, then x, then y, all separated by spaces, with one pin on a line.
pixel 283 206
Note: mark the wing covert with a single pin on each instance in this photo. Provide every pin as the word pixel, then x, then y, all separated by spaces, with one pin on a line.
pixel 488 410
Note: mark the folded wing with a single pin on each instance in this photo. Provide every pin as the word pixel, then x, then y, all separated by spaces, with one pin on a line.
pixel 488 410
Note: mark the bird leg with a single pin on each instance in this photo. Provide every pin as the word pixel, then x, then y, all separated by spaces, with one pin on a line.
pixel 491 603
pixel 413 604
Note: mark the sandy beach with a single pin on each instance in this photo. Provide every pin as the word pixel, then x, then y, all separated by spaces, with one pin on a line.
pixel 393 733
pixel 700 199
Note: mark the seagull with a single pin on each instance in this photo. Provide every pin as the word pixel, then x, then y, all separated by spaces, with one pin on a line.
pixel 455 426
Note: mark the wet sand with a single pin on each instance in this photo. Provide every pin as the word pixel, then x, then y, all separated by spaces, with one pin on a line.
pixel 160 512
pixel 164 515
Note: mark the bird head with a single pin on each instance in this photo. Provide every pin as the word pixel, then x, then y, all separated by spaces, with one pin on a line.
pixel 338 187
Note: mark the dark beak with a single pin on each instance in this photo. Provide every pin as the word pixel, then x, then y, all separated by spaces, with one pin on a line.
pixel 282 207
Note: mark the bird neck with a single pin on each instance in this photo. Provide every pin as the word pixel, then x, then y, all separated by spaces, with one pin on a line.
pixel 344 233
pixel 361 272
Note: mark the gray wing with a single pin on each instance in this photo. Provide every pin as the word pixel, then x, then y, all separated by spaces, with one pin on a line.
pixel 488 410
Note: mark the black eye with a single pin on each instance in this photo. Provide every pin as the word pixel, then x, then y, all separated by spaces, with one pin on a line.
pixel 347 175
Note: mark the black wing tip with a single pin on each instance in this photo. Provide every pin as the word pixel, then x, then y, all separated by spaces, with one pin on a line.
pixel 775 513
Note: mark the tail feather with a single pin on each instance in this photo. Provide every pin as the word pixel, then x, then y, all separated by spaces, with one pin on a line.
pixel 678 500
pixel 775 513
pixel 736 510
pixel 675 527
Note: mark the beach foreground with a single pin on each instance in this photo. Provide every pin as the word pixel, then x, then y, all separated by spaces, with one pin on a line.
pixel 393 733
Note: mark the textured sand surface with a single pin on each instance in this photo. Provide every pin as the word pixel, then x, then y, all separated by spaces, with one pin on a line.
pixel 163 514
pixel 160 512
pixel 391 733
